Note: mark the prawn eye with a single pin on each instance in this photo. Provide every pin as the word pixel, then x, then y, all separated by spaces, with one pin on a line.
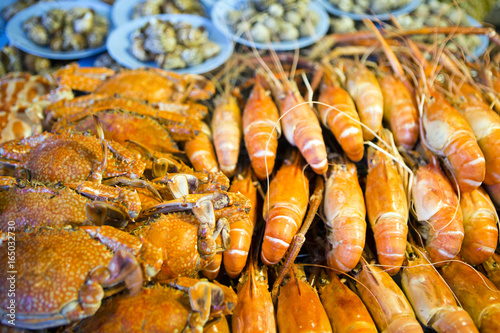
pixel 495 264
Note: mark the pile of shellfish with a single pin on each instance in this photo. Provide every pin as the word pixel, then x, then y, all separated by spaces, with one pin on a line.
pixel 333 191
pixel 67 30
pixel 172 45
pixel 277 20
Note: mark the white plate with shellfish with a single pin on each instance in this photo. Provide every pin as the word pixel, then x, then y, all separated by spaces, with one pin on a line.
pixel 372 12
pixel 48 30
pixel 278 26
pixel 184 43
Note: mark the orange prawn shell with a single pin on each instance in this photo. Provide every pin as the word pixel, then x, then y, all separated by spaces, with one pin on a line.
pixel 448 134
pixel 261 128
pixel 365 90
pixel 387 304
pixel 347 131
pixel 284 209
pixel 477 295
pixel 227 133
pixel 200 151
pixel 400 111
pixel 432 299
pixel 300 309
pixel 254 311
pixel 437 205
pixel 241 230
pixel 485 124
pixel 387 209
pixel 344 308
pixel 303 130
pixel 345 212
pixel 480 226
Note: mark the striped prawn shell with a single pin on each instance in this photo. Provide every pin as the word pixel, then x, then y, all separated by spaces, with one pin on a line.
pixel 226 130
pixel 400 111
pixel 303 130
pixel 448 134
pixel 365 90
pixel 284 209
pixel 387 209
pixel 241 229
pixel 261 128
pixel 437 206
pixel 200 151
pixel 342 119
pixel 480 226
pixel 345 214
pixel 485 123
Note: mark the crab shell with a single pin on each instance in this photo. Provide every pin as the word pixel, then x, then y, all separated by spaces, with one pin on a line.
pixel 33 205
pixel 176 236
pixel 60 275
pixel 121 126
pixel 181 120
pixel 156 309
pixel 156 85
pixel 152 85
pixel 70 157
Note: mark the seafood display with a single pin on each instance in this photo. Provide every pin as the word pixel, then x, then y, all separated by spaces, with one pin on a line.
pixel 155 7
pixel 350 187
pixel 276 20
pixel 171 45
pixel 67 30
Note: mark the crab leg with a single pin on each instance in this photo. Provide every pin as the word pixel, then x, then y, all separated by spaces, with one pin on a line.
pixel 188 202
pixel 130 199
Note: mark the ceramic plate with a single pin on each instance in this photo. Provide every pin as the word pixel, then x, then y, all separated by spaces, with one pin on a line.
pixel 19 39
pixel 219 17
pixel 119 42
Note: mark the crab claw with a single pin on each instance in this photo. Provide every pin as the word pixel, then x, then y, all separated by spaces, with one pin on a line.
pixel 99 211
pixel 200 298
pixel 124 267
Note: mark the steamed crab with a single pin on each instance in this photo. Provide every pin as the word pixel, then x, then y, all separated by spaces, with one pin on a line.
pixel 70 157
pixel 62 276
pixel 189 304
pixel 181 120
pixel 152 85
pixel 34 204
pixel 184 243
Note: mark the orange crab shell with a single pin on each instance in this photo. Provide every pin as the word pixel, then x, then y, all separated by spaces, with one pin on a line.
pixel 176 234
pixel 157 309
pixel 52 267
pixel 156 85
pixel 34 205
pixel 70 157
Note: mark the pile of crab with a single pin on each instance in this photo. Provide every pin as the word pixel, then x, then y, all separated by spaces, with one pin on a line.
pixel 103 200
